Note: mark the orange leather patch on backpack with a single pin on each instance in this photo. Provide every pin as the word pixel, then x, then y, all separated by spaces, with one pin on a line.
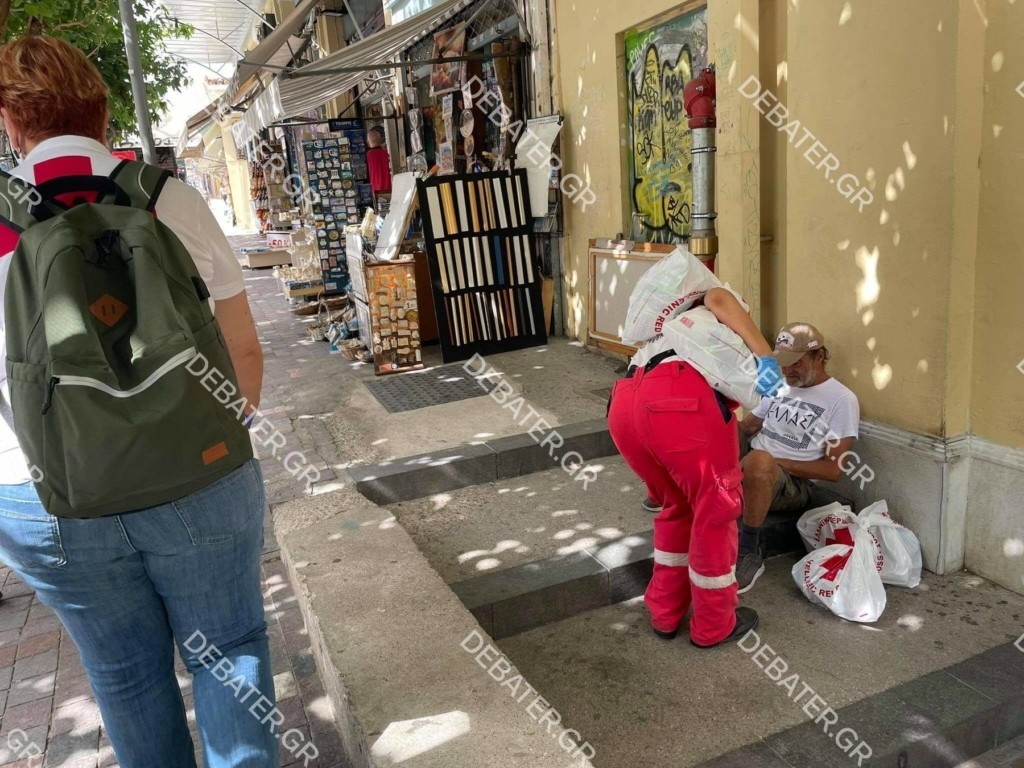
pixel 215 452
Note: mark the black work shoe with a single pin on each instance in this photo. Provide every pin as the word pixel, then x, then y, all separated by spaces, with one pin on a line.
pixel 651 506
pixel 671 635
pixel 749 568
pixel 746 620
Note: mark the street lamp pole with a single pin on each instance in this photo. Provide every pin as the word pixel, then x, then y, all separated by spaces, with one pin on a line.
pixel 137 77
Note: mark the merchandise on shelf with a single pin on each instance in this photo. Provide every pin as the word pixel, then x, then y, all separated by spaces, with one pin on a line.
pixel 337 172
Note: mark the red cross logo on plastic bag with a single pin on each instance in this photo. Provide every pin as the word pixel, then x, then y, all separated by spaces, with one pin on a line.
pixel 836 563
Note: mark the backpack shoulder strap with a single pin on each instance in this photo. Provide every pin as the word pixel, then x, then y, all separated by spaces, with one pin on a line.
pixel 142 182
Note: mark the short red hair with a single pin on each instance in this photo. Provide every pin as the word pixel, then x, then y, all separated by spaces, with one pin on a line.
pixel 51 88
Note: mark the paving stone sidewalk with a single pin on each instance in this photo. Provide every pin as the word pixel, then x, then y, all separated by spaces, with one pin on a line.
pixel 45 694
pixel 43 688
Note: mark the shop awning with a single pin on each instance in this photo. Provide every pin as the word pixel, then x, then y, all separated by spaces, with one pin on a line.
pixel 296 93
pixel 273 44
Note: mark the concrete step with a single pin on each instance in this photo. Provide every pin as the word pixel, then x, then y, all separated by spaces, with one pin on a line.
pixel 404 664
pixel 557 548
pixel 1009 755
pixel 414 477
pixel 932 683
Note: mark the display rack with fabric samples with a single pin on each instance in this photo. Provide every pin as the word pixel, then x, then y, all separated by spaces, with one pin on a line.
pixel 486 283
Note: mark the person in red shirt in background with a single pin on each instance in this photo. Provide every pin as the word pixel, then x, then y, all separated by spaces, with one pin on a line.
pixel 378 161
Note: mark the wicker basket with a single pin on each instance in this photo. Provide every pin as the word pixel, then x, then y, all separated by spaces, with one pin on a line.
pixel 318 328
pixel 349 348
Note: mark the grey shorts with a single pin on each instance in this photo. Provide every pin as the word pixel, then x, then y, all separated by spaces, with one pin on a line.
pixel 792 494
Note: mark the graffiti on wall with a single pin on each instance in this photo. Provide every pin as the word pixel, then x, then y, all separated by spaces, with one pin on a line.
pixel 660 62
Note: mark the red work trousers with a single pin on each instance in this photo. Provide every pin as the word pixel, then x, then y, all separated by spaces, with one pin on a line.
pixel 669 426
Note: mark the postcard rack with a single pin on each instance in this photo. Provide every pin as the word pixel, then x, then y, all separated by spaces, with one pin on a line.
pixel 484 274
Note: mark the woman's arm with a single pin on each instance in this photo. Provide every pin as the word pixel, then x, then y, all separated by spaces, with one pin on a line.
pixel 239 330
pixel 730 314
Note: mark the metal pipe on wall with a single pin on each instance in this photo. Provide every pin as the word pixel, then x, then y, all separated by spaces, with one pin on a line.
pixel 699 100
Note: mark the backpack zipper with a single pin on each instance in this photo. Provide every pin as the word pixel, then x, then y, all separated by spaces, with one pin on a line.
pixel 54 381
pixel 84 381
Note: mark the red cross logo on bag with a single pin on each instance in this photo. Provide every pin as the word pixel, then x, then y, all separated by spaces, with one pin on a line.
pixel 836 563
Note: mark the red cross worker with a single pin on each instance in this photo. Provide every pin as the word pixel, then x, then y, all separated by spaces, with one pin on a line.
pixel 679 434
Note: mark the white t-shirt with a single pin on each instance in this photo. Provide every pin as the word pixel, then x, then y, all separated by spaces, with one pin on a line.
pixel 179 206
pixel 797 425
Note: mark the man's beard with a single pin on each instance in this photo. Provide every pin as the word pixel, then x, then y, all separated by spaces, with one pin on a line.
pixel 809 379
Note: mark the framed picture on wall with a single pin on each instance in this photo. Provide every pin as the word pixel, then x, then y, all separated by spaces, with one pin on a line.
pixel 448 77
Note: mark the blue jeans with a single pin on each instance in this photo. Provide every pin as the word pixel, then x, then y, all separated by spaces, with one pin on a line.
pixel 128 587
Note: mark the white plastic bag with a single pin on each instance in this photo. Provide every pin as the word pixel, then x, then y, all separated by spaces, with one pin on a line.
pixel 844 578
pixel 818 526
pixel 901 550
pixel 668 288
pixel 717 352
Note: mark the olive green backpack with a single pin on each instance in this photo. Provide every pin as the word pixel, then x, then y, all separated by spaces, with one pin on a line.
pixel 112 348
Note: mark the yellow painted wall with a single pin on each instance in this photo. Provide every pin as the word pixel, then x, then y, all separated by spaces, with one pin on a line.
pixel 874 83
pixel 997 392
pixel 594 138
pixel 914 289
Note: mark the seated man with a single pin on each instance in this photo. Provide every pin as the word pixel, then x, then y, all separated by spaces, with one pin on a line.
pixel 799 436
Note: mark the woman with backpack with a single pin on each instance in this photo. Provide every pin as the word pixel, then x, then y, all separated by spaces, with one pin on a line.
pixel 129 498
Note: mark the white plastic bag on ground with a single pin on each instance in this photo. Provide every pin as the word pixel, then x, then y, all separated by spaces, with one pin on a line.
pixel 717 352
pixel 901 550
pixel 844 578
pixel 818 526
pixel 668 288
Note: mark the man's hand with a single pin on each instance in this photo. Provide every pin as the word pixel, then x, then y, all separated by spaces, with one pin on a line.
pixel 822 469
pixel 751 425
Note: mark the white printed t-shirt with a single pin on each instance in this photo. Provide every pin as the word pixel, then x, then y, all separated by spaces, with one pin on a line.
pixel 179 206
pixel 797 424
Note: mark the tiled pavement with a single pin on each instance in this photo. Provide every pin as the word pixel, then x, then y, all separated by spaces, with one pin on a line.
pixel 43 688
pixel 44 691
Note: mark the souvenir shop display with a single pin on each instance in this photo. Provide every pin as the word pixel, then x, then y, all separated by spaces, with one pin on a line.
pixel 258 189
pixel 449 75
pixel 337 171
pixel 394 316
pixel 385 297
pixel 486 281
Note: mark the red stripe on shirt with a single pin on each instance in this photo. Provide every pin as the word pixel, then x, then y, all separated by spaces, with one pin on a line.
pixel 8 240
pixel 55 167
pixel 68 165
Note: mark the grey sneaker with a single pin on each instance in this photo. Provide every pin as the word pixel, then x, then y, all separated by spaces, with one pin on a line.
pixel 650 506
pixel 749 568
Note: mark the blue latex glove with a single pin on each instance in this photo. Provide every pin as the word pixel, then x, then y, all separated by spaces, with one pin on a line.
pixel 769 376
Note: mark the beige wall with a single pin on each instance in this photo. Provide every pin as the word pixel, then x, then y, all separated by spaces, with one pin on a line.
pixel 876 88
pixel 913 290
pixel 591 90
pixel 996 395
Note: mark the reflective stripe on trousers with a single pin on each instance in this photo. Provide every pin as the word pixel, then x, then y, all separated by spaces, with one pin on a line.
pixel 712 582
pixel 672 559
